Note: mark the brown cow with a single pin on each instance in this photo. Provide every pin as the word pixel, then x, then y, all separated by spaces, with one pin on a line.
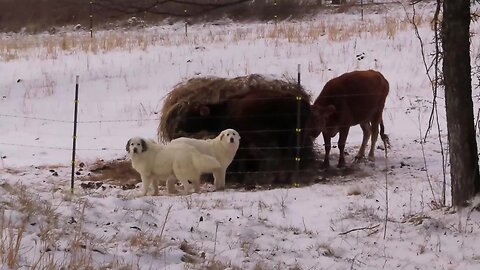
pixel 353 98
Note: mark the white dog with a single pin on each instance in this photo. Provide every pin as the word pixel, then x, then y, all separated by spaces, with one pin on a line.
pixel 223 148
pixel 156 163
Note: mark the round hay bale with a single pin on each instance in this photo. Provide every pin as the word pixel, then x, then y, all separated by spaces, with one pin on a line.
pixel 268 113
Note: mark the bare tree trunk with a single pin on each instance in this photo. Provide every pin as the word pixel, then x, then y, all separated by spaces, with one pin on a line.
pixel 458 100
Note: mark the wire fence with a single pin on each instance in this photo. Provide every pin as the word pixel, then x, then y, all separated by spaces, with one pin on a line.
pixel 270 167
pixel 267 159
pixel 274 159
pixel 123 149
pixel 270 131
pixel 398 108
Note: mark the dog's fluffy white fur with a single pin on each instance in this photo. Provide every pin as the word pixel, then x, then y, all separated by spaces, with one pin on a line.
pixel 157 163
pixel 223 148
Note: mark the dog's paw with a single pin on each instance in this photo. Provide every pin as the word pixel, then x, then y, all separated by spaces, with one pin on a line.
pixel 219 188
pixel 140 195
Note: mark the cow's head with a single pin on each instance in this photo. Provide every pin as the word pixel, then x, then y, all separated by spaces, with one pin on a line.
pixel 200 118
pixel 317 121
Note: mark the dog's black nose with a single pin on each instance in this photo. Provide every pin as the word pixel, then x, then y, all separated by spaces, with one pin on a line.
pixel 135 150
pixel 232 140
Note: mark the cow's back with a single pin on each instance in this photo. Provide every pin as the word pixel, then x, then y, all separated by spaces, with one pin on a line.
pixel 358 97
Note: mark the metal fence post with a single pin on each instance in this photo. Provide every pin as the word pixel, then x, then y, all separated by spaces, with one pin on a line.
pixel 74 134
pixel 91 19
pixel 361 4
pixel 186 23
pixel 299 128
pixel 276 11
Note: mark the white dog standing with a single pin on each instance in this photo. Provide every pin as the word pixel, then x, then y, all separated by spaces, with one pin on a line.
pixel 156 162
pixel 223 148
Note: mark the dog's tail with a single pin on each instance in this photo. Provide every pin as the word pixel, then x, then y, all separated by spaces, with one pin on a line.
pixel 205 163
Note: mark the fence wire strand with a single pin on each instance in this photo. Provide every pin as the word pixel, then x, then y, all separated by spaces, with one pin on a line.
pixel 123 149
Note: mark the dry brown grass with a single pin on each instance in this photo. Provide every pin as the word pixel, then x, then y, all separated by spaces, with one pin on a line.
pixel 14 171
pixel 34 16
pixel 11 236
pixel 115 172
pixel 145 241
pixel 152 242
pixel 196 260
pixel 51 46
pixel 354 190
pixel 80 248
pixel 191 256
pixel 323 249
pixel 218 265
pixel 336 30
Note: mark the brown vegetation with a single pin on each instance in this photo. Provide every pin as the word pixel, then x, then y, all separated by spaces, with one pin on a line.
pixel 35 16
pixel 116 172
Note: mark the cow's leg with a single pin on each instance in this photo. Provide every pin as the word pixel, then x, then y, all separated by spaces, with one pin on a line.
pixel 328 145
pixel 341 145
pixel 367 130
pixel 371 154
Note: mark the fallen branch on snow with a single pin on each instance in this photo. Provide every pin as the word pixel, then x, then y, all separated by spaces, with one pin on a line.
pixel 359 229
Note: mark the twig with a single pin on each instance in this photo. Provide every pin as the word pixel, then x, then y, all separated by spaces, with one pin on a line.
pixel 386 189
pixel 165 221
pixel 359 229
pixel 424 157
pixel 436 60
pixel 477 124
pixel 436 63
pixel 434 82
pixel 353 262
pixel 304 226
pixel 372 232
pixel 215 243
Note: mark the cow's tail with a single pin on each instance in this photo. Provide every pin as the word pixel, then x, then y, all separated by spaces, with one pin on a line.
pixel 383 136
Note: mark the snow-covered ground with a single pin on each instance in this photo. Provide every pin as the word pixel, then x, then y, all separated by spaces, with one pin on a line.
pixel 123 78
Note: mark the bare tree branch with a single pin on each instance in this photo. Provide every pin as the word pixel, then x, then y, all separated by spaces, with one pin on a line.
pixel 360 229
pixel 434 81
pixel 158 6
pixel 436 60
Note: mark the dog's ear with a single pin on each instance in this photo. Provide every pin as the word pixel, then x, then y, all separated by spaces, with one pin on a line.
pixel 221 136
pixel 127 147
pixel 144 145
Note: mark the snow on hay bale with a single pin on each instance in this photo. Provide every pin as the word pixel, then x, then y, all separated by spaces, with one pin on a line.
pixel 262 109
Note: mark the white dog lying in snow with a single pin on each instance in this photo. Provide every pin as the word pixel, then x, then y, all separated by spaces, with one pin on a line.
pixel 223 148
pixel 156 163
